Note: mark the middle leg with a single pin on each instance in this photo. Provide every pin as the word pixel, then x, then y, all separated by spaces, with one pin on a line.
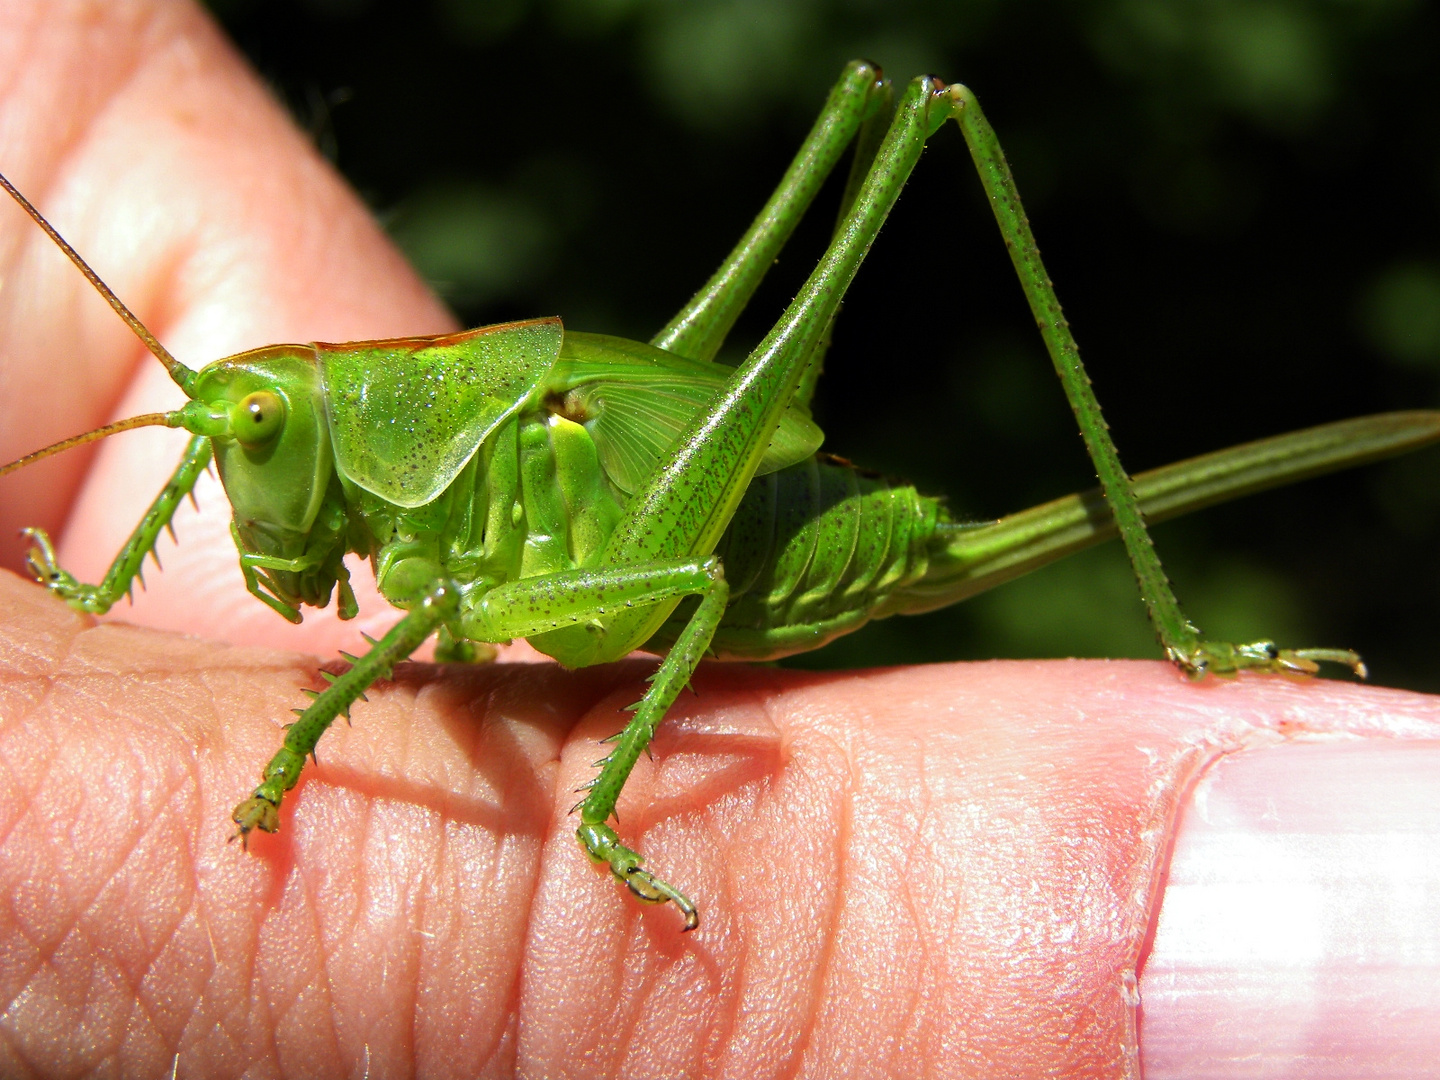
pixel 857 104
pixel 575 607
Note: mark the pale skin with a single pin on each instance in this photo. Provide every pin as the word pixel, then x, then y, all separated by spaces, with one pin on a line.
pixel 927 870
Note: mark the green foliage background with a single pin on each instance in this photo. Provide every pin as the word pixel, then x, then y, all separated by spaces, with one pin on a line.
pixel 1239 201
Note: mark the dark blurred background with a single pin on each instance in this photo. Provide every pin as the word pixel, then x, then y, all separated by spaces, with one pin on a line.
pixel 1239 201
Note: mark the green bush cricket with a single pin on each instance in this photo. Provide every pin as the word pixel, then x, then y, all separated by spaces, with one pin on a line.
pixel 596 495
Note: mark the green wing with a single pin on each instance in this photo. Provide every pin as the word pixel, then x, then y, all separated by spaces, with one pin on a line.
pixel 635 400
pixel 406 415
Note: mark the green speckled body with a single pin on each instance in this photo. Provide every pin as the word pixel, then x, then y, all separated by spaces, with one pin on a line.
pixel 815 548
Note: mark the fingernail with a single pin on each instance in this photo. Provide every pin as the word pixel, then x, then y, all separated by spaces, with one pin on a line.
pixel 1299 931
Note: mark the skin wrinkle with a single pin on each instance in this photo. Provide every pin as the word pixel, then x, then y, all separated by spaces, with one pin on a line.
pixel 624 1039
pixel 318 955
pixel 494 1045
pixel 415 941
pixel 911 1021
pixel 137 1005
pixel 143 1000
pixel 30 975
pixel 729 994
pixel 197 1013
pixel 136 983
pixel 420 948
pixel 16 784
pixel 921 1027
pixel 109 973
pixel 617 1037
pixel 358 904
pixel 12 783
pixel 255 957
pixel 55 665
pixel 9 1043
pixel 413 944
pixel 729 1017
pixel 189 916
pixel 552 768
pixel 507 1033
pixel 80 909
pixel 726 1015
pixel 504 787
pixel 257 1002
pixel 20 1056
pixel 151 818
pixel 843 837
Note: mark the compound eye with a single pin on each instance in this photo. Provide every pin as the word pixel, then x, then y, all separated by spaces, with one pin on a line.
pixel 257 419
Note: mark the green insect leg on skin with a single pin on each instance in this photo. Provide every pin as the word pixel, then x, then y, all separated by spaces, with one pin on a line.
pixel 125 570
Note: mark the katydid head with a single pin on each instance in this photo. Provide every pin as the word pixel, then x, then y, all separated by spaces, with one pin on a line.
pixel 264 412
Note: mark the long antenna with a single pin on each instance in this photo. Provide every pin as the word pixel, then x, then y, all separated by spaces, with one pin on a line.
pixel 178 371
pixel 154 419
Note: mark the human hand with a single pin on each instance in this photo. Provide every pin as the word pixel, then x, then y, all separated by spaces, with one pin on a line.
pixel 943 869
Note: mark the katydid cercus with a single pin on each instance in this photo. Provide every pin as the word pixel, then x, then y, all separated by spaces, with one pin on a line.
pixel 596 495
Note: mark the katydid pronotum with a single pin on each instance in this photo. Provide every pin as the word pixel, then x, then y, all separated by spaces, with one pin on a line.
pixel 596 495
